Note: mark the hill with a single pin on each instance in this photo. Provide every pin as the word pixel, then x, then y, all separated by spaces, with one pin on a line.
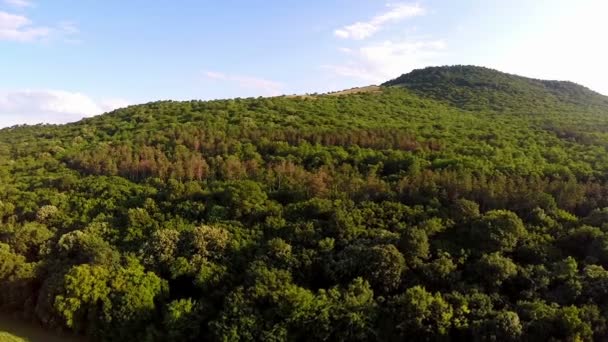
pixel 480 88
pixel 450 203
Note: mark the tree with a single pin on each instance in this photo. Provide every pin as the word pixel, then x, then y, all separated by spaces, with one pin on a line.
pixel 441 272
pixel 415 246
pixel 381 265
pixel 551 322
pixel 86 287
pixel 29 239
pixel 419 314
pixel 78 247
pixel 9 261
pixel 597 218
pixel 140 225
pixel 464 209
pixel 46 213
pixel 345 314
pixel 266 309
pixel 385 266
pixel 504 326
pixel 498 231
pixel 280 253
pixel 114 303
pixel 207 242
pixel 18 280
pixel 595 284
pixel 566 286
pixel 181 320
pixel 161 249
pixel 586 242
pixel 244 198
pixel 493 269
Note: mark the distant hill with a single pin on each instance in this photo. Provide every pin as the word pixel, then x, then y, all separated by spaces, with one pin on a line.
pixel 475 87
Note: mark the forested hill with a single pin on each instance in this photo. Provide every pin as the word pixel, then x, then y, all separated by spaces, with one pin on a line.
pixel 480 88
pixel 452 203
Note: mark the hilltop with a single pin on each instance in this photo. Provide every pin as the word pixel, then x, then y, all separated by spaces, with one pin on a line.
pixel 478 88
pixel 451 203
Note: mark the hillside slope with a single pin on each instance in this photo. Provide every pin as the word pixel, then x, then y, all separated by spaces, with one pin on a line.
pixel 454 203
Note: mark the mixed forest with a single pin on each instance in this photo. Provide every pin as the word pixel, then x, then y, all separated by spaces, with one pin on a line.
pixel 451 203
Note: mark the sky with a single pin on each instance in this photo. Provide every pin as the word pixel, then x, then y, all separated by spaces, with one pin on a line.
pixel 61 60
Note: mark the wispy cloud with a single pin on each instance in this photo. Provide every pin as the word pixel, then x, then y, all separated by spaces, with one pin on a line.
pixel 50 106
pixel 215 75
pixel 264 86
pixel 380 62
pixel 19 28
pixel 19 3
pixel 364 29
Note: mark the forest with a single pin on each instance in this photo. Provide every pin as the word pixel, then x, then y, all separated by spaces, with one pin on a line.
pixel 451 203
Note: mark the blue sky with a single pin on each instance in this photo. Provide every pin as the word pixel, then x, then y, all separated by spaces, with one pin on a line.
pixel 61 60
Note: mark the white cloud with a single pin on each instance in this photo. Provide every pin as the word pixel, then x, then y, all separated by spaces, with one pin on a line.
pixel 19 28
pixel 19 3
pixel 264 86
pixel 15 27
pixel 361 30
pixel 379 62
pixel 50 106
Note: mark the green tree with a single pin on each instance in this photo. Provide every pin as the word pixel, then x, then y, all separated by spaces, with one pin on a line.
pixel 244 198
pixel 115 303
pixel 497 231
pixel 181 320
pixel 414 244
pixel 504 326
pixel 161 249
pixel 493 269
pixel 419 314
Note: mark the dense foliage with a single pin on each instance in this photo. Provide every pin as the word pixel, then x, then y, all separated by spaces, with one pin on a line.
pixel 452 203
